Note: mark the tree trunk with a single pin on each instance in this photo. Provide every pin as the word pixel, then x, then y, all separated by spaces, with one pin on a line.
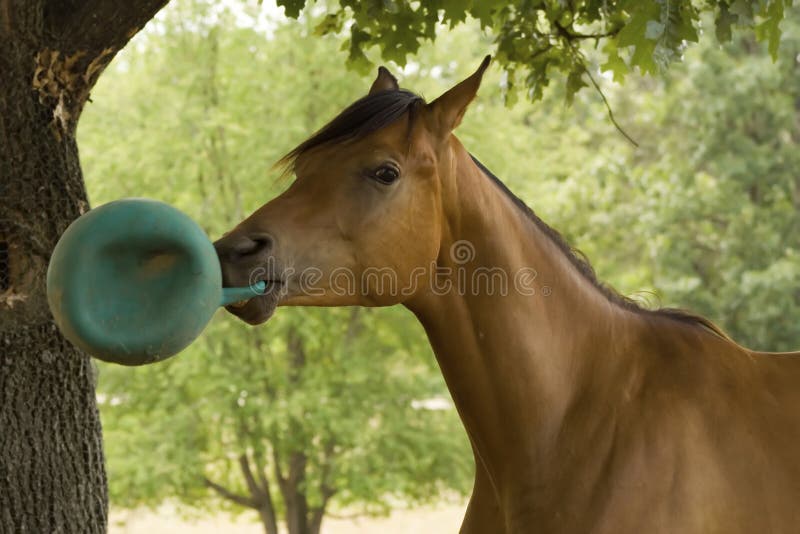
pixel 300 517
pixel 52 478
pixel 260 493
pixel 51 461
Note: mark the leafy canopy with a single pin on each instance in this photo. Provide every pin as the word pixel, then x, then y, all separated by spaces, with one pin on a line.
pixel 539 40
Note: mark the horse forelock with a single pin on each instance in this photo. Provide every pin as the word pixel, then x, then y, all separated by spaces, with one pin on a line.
pixel 361 118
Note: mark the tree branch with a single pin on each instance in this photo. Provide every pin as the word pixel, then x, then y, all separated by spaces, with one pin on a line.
pixel 97 24
pixel 608 107
pixel 255 490
pixel 75 41
pixel 575 36
pixel 325 489
pixel 325 470
pixel 317 513
pixel 261 495
pixel 276 464
pixel 262 477
pixel 297 468
pixel 231 496
pixel 579 59
pixel 570 37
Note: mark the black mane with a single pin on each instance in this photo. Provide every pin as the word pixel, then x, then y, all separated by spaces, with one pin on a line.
pixel 579 260
pixel 361 118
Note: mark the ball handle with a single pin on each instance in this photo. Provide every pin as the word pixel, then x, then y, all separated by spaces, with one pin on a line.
pixel 235 294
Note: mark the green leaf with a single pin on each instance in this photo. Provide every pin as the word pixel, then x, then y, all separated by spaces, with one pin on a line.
pixel 538 77
pixel 331 23
pixel 725 18
pixel 292 8
pixel 574 84
pixel 770 29
pixel 511 93
pixel 680 24
pixel 356 59
pixel 455 11
pixel 743 9
pixel 484 11
pixel 614 63
pixel 634 33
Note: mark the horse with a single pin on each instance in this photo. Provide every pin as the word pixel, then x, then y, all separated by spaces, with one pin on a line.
pixel 585 411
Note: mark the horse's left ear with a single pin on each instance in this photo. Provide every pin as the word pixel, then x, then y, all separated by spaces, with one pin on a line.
pixel 449 108
pixel 384 82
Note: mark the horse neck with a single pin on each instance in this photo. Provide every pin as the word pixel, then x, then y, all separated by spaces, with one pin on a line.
pixel 514 363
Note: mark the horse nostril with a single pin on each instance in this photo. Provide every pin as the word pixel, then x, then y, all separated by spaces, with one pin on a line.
pixel 239 246
pixel 260 243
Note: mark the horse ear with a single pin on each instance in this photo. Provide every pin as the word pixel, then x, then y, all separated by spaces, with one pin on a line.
pixel 449 108
pixel 384 82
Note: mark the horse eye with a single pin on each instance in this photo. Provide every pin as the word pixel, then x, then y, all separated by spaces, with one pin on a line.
pixel 385 174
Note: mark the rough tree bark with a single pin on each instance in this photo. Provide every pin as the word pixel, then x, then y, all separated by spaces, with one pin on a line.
pixel 52 477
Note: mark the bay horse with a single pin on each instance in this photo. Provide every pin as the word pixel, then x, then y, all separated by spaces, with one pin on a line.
pixel 585 412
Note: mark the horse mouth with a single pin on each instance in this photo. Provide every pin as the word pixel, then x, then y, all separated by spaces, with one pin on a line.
pixel 259 308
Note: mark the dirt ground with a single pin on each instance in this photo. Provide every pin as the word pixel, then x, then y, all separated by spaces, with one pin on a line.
pixel 442 519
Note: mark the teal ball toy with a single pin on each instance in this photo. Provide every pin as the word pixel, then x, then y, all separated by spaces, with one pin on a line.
pixel 135 281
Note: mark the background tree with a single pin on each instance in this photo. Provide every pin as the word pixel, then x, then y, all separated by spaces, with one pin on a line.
pixel 714 190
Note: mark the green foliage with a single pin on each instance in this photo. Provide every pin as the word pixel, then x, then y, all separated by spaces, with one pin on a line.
pixel 349 407
pixel 539 40
pixel 727 196
pixel 705 215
